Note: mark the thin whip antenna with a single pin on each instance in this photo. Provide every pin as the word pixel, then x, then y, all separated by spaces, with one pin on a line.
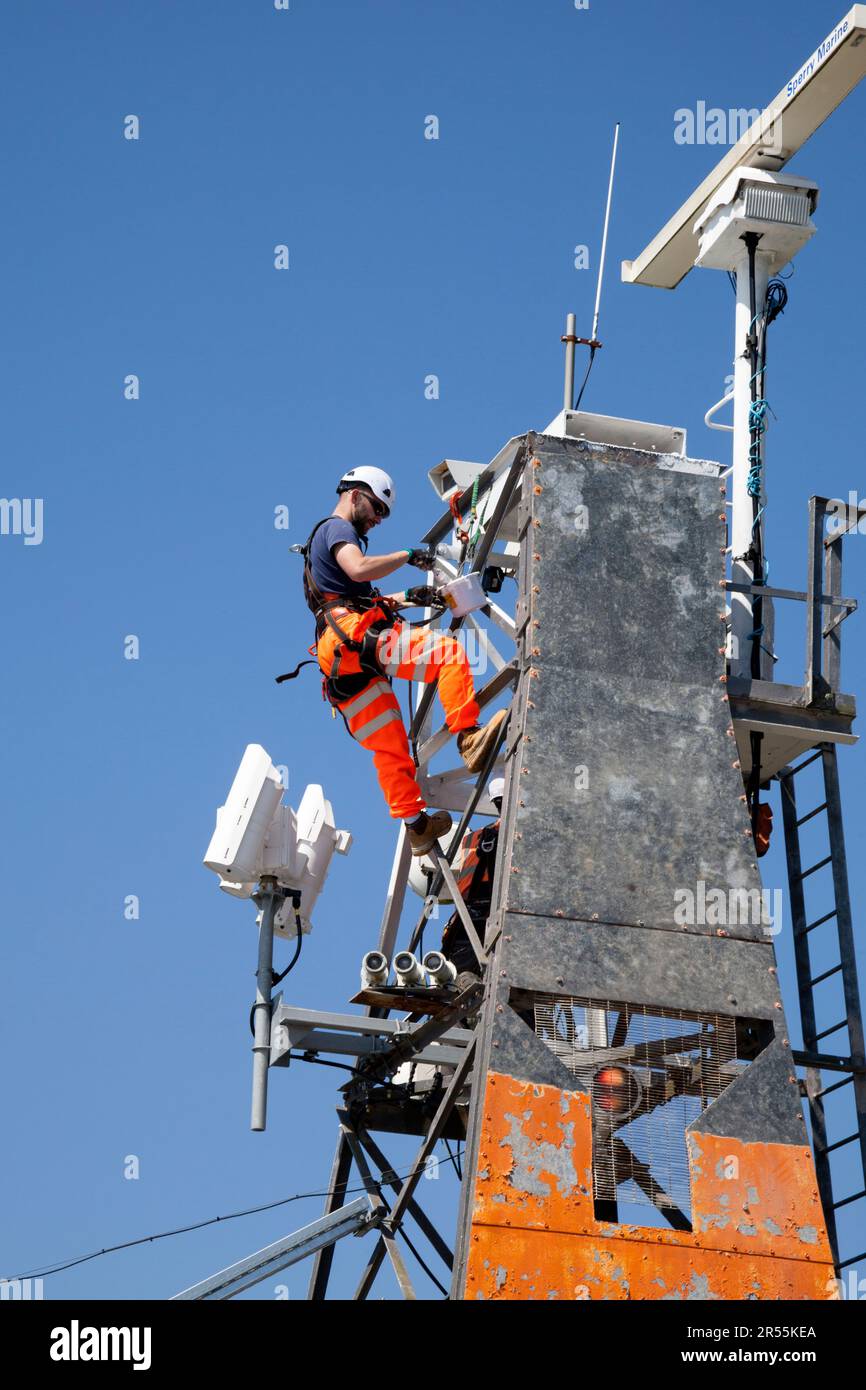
pixel 592 343
pixel 604 237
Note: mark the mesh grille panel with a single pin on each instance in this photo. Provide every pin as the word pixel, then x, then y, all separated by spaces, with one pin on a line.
pixel 649 1073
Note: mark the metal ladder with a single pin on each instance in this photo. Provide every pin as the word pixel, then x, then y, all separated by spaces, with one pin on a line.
pixel 812 1058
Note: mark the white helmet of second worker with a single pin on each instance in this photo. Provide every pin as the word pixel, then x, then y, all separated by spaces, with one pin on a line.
pixel 376 479
pixel 496 790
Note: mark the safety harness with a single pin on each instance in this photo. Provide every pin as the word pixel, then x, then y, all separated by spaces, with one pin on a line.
pixel 475 884
pixel 338 689
pixel 476 870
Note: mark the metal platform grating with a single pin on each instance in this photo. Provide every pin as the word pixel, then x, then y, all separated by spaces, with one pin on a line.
pixel 649 1073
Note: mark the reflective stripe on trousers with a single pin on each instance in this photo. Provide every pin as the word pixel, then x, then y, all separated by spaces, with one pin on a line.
pixel 374 720
pixel 421 655
pixel 373 715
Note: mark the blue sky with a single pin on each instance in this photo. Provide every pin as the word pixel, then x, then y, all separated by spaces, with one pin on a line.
pixel 258 387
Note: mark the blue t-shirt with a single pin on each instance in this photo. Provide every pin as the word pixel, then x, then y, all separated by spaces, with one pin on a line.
pixel 327 574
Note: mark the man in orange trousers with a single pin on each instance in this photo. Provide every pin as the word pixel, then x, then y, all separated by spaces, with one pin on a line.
pixel 360 641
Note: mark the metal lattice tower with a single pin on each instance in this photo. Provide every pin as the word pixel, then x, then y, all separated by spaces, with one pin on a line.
pixel 655 1145
pixel 623 1076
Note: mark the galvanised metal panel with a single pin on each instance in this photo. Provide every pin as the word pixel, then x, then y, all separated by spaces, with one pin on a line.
pixel 763 1105
pixel 669 969
pixel 626 791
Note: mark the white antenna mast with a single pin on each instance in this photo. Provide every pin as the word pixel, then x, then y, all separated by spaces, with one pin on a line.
pixel 604 236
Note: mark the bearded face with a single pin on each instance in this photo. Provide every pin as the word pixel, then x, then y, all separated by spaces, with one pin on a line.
pixel 364 516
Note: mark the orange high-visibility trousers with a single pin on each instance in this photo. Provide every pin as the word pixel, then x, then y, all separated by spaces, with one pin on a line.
pixel 373 716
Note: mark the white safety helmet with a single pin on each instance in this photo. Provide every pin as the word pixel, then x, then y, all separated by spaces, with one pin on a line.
pixel 496 789
pixel 376 479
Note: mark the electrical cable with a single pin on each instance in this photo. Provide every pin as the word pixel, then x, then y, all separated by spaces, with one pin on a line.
pixel 755 347
pixel 426 1268
pixel 592 353
pixel 321 1062
pixel 775 301
pixel 277 979
pixel 457 1167
pixel 44 1271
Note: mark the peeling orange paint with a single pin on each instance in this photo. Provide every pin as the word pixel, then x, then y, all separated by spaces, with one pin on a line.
pixel 547 1265
pixel 771 1197
pixel 553 1128
pixel 758 1226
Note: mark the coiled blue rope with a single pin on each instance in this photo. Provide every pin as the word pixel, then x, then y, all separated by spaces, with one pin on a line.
pixel 758 426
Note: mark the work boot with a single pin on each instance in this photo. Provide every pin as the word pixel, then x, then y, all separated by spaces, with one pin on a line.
pixel 426 830
pixel 473 745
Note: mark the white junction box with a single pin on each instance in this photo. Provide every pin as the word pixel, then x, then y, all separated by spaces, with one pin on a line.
pixel 778 207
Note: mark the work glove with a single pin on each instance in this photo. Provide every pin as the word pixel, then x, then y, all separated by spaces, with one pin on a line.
pixel 425 596
pixel 422 558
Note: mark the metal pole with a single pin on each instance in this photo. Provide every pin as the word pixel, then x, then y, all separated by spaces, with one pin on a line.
pixel 742 515
pixel 604 238
pixel 267 899
pixel 569 340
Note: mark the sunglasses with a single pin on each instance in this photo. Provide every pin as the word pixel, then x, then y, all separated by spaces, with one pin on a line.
pixel 378 507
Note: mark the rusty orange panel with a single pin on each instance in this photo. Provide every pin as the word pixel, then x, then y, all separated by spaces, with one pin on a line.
pixel 756 1198
pixel 539 1265
pixel 751 1202
pixel 535 1156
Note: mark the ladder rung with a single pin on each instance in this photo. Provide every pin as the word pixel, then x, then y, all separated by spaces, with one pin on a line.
pixel 828 1090
pixel 814 869
pixel 821 1061
pixel 817 811
pixel 855 1259
pixel 840 1143
pixel 826 976
pixel 835 1029
pixel 845 1200
pixel 820 922
pixel 814 758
